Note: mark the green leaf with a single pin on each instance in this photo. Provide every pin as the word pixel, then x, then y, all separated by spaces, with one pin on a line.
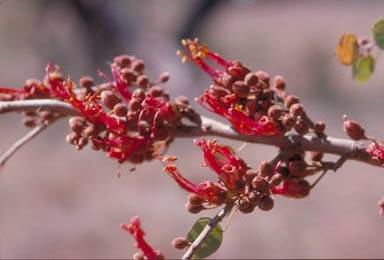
pixel 363 68
pixel 231 148
pixel 219 157
pixel 378 33
pixel 211 243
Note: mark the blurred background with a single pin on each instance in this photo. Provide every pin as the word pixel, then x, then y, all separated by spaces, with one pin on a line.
pixel 56 202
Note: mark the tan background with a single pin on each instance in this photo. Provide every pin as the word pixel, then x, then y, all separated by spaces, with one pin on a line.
pixel 59 203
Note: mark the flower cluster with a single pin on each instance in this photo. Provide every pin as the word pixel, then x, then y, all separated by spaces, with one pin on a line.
pixel 376 151
pixel 137 232
pixel 247 99
pixel 129 117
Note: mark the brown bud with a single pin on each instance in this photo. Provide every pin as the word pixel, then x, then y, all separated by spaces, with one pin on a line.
pixel 142 81
pixel 29 121
pixel 353 129
pixel 109 99
pixel 139 93
pixel 266 203
pixel 288 121
pixel 86 82
pixel 278 83
pixel 156 91
pixel 145 128
pixel 254 197
pixel 263 76
pixel 182 100
pixel 134 105
pixel 72 137
pixel 128 75
pixel 120 109
pixel 276 179
pixel 251 79
pixel 194 199
pixel 218 91
pixel 90 131
pixel 245 206
pixel 83 141
pixel 138 65
pixel 194 208
pixel 180 243
pixel 302 189
pixel 266 169
pixel 46 116
pixel 164 77
pixel 275 112
pixel 260 185
pixel 316 156
pixel 302 127
pixel 290 100
pixel 123 60
pixel 296 110
pixel 250 175
pixel 240 88
pixel 297 168
pixel 77 124
pixel 319 128
pixel 284 171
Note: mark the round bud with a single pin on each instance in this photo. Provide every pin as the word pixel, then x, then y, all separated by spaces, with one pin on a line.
pixel 266 169
pixel 77 124
pixel 90 131
pixel 266 203
pixel 29 121
pixel 180 243
pixel 86 82
pixel 164 77
pixel 240 88
pixel 142 81
pixel 156 91
pixel 254 197
pixel 263 76
pixel 123 60
pixel 297 168
pixel 251 79
pixel 72 137
pixel 120 109
pixel 128 75
pixel 302 127
pixel 290 100
pixel 46 116
pixel 218 91
pixel 319 128
pixel 353 129
pixel 296 110
pixel 284 171
pixel 227 80
pixel 245 206
pixel 250 175
pixel 288 121
pixel 194 199
pixel 278 83
pixel 301 189
pixel 260 184
pixel 275 112
pixel 138 65
pixel 109 99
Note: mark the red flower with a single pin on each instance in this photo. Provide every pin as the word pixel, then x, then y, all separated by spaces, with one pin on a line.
pixel 227 102
pixel 137 232
pixel 208 191
pixel 376 151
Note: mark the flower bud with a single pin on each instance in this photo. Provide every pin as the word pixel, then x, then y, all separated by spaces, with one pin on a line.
pixel 260 185
pixel 123 60
pixel 194 209
pixel 109 99
pixel 138 65
pixel 86 82
pixel 120 109
pixel 290 100
pixel 266 169
pixel 156 91
pixel 29 121
pixel 142 81
pixel 251 79
pixel 164 77
pixel 77 124
pixel 128 75
pixel 134 105
pixel 278 83
pixel 263 76
pixel 296 110
pixel 180 243
pixel 240 88
pixel 266 203
pixel 72 137
pixel 276 179
pixel 254 197
pixel 250 175
pixel 182 100
pixel 353 129
pixel 194 199
pixel 302 127
pixel 275 112
pixel 319 128
pixel 288 121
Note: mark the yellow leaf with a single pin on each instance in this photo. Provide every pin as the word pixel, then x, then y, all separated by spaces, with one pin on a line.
pixel 347 49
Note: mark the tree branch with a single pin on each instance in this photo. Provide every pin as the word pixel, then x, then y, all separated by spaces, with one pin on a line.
pixel 350 149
